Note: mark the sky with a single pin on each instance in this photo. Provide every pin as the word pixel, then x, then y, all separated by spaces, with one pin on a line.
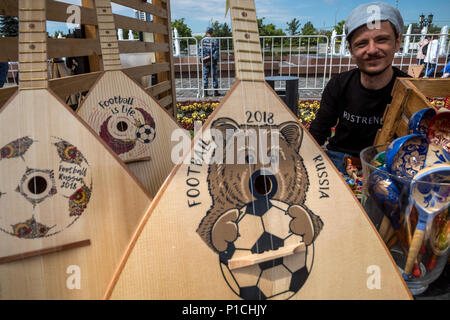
pixel 322 13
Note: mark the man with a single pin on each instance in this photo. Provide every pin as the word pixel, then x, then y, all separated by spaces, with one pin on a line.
pixel 209 53
pixel 423 47
pixel 431 57
pixel 356 99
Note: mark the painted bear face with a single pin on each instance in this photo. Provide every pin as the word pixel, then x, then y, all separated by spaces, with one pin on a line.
pixel 257 162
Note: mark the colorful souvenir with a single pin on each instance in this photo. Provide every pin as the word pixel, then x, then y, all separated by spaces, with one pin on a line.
pixel 430 192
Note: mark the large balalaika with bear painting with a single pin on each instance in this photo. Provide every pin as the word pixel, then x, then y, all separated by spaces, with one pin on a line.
pixel 125 116
pixel 256 210
pixel 68 205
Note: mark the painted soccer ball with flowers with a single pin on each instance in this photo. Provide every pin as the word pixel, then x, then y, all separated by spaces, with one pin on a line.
pixel 45 187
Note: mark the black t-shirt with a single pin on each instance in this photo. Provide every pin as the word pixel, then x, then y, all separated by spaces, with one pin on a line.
pixel 357 110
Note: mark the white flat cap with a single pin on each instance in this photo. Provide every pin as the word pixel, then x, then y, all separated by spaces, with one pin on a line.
pixel 369 13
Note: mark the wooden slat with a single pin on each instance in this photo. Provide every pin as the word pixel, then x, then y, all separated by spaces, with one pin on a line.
pixel 143 6
pixel 67 86
pixel 431 87
pixel 139 47
pixel 138 25
pixel 36 253
pixel 6 93
pixel 159 88
pixel 141 71
pixel 9 8
pixel 400 95
pixel 9 47
pixel 57 11
pixel 58 48
pixel 164 102
pixel 168 24
pixel 165 57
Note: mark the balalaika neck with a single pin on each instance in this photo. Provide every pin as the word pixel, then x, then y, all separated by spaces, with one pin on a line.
pixel 107 34
pixel 32 45
pixel 247 49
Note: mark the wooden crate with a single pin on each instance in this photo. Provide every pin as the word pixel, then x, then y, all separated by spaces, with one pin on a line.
pixel 409 95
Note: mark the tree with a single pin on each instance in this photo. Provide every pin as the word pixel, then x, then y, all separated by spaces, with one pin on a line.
pixel 220 29
pixel 293 27
pixel 269 29
pixel 326 33
pixel 308 29
pixel 182 28
pixel 9 26
pixel 339 27
pixel 56 34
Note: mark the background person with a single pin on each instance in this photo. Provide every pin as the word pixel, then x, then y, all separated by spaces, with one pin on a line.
pixel 209 53
pixel 356 99
pixel 431 57
pixel 423 47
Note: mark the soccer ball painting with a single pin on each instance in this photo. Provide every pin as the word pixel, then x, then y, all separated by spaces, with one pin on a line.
pixel 263 228
pixel 129 135
pixel 44 187
pixel 145 133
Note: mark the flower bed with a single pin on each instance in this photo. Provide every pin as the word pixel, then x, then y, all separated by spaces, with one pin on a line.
pixel 307 110
pixel 191 111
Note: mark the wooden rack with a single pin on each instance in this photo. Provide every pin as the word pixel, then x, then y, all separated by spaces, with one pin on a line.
pixel 163 91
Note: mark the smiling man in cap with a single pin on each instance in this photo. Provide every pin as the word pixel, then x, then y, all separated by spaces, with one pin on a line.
pixel 356 99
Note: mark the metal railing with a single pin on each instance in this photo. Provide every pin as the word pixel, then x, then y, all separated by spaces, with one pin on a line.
pixel 187 66
pixel 313 59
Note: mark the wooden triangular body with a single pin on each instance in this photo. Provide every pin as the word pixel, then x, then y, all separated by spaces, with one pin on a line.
pixel 180 260
pixel 125 116
pixel 248 216
pixel 68 205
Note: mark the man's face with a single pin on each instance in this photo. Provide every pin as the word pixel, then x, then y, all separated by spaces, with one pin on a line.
pixel 374 49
